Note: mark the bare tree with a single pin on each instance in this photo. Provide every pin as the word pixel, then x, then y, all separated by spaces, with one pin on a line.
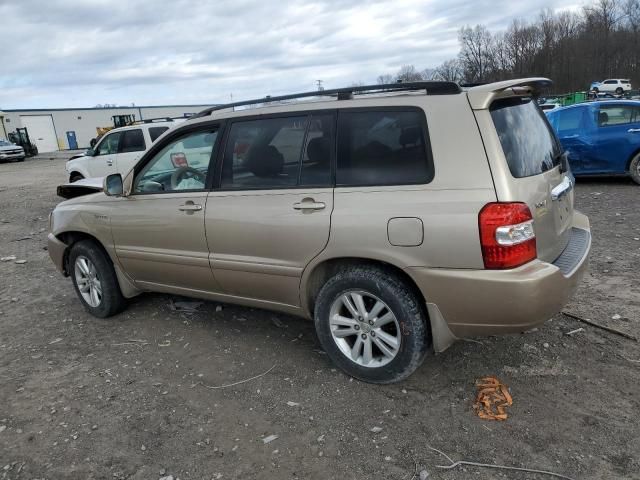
pixel 449 71
pixel 384 79
pixel 408 73
pixel 475 52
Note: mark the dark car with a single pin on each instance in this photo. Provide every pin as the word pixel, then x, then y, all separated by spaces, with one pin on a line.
pixel 601 138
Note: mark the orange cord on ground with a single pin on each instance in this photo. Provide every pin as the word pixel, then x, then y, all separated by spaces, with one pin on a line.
pixel 492 398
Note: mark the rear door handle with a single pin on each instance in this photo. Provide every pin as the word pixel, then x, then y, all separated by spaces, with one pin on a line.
pixel 633 130
pixel 110 163
pixel 190 207
pixel 309 204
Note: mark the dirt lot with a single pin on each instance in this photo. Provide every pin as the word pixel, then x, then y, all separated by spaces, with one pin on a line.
pixel 124 398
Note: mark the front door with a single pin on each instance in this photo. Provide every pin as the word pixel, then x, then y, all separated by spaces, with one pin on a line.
pixel 103 161
pixel 158 230
pixel 271 215
pixel 132 146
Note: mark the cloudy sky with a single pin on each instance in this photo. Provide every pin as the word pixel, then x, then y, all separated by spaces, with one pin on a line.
pixel 79 53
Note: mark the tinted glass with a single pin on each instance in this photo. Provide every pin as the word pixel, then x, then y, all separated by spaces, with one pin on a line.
pixel 316 157
pixel 610 82
pixel 382 148
pixel 155 132
pixel 109 144
pixel 615 115
pixel 132 141
pixel 528 143
pixel 264 153
pixel 181 165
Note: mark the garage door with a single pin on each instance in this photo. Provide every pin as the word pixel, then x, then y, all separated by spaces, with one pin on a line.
pixel 41 131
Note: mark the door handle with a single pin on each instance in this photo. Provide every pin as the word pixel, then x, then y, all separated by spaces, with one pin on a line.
pixel 561 189
pixel 110 163
pixel 309 204
pixel 190 207
pixel 633 130
pixel 569 137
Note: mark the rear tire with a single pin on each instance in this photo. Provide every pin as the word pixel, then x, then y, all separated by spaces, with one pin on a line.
pixel 634 169
pixel 94 280
pixel 619 91
pixel 74 177
pixel 372 324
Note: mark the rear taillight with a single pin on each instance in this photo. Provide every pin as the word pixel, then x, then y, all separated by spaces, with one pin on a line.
pixel 507 236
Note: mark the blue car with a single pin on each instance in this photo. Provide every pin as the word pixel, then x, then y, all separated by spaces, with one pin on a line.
pixel 601 138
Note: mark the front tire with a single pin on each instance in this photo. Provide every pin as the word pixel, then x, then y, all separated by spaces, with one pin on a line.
pixel 372 324
pixel 94 279
pixel 634 169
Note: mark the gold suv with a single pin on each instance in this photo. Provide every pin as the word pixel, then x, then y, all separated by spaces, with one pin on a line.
pixel 398 217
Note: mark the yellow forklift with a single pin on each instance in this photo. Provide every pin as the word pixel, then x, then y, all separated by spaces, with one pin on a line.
pixel 118 121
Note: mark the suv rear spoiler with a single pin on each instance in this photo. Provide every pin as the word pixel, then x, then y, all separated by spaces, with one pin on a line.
pixel 481 96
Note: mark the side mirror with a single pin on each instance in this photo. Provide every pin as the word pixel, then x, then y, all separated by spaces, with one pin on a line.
pixel 90 152
pixel 112 185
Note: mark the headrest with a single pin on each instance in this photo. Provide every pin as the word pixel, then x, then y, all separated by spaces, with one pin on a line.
pixel 409 136
pixel 265 161
pixel 319 150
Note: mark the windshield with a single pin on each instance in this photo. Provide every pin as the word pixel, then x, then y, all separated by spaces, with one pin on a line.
pixel 529 144
pixel 4 143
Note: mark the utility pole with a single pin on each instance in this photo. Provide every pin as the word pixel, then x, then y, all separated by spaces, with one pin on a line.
pixel 320 87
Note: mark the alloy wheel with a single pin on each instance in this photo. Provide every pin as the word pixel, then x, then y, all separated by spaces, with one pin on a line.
pixel 365 329
pixel 88 281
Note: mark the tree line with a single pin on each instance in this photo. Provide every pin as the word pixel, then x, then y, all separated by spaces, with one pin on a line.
pixel 573 48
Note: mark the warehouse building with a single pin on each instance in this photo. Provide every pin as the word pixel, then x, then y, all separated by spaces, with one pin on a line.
pixel 73 128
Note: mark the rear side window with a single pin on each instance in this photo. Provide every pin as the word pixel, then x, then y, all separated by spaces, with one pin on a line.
pixel 132 141
pixel 155 132
pixel 385 147
pixel 616 115
pixel 529 145
pixel 264 153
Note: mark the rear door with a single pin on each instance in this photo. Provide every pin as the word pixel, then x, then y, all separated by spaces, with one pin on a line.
pixel 533 174
pixel 618 137
pixel 132 146
pixel 271 214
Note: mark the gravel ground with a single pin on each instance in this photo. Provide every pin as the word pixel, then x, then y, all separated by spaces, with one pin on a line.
pixel 126 398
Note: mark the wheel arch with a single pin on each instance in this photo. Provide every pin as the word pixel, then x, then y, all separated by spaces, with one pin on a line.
pixel 630 159
pixel 318 274
pixel 70 238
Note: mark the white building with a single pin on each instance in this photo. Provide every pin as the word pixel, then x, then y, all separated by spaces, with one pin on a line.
pixel 72 128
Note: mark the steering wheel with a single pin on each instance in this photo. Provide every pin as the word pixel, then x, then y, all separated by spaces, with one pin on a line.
pixel 177 175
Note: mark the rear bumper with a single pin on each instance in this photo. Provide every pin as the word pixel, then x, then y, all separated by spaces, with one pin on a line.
pixel 56 250
pixel 488 302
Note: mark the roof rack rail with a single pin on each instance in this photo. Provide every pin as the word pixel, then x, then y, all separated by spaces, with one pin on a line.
pixel 430 87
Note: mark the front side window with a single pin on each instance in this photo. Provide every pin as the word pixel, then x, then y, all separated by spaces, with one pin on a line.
pixel 132 141
pixel 610 82
pixel 109 145
pixel 264 153
pixel 528 142
pixel 181 165
pixel 615 115
pixel 382 148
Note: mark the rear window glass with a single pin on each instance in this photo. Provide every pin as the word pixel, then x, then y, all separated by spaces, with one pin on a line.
pixel 382 148
pixel 528 143
pixel 155 132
